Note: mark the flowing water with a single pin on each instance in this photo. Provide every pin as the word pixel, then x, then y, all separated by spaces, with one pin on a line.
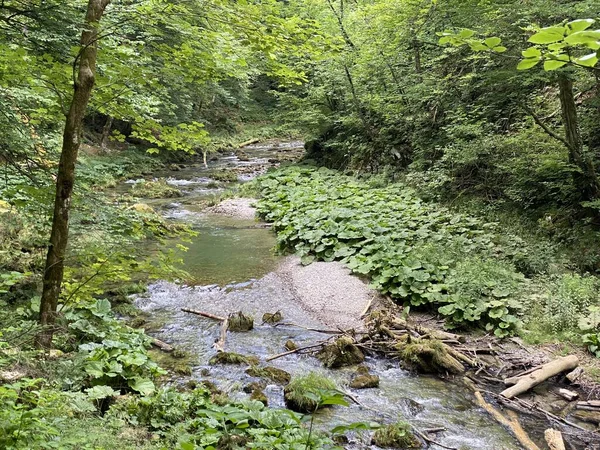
pixel 233 267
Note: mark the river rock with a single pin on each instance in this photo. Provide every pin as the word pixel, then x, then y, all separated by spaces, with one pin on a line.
pixel 342 352
pixel 363 379
pixel 240 322
pixel 271 373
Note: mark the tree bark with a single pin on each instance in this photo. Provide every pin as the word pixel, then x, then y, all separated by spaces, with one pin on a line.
pixel 106 131
pixel 83 85
pixel 586 181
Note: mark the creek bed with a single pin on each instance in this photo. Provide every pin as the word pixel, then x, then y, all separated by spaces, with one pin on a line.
pixel 232 268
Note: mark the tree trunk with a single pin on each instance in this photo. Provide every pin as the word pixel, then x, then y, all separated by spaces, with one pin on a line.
pixel 106 131
pixel 83 85
pixel 586 181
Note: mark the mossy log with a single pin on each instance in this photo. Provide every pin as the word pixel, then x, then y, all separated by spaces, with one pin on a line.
pixel 342 352
pixel 240 322
pixel 428 355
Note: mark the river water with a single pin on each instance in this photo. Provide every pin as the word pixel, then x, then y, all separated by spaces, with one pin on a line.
pixel 232 267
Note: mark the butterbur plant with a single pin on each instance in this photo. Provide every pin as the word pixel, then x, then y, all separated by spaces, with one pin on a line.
pixel 590 325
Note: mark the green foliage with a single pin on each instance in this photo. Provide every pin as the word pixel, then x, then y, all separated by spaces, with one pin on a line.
pixel 309 392
pixel 396 435
pixel 155 189
pixel 193 420
pixel 412 251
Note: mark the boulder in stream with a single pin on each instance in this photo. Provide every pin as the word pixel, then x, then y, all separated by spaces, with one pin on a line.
pixel 342 352
pixel 271 373
pixel 396 435
pixel 300 392
pixel 428 355
pixel 233 358
pixel 240 322
pixel 363 379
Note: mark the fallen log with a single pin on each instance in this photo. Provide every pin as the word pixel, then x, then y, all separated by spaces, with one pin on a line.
pixel 220 343
pixel 554 439
pixel 542 374
pixel 248 142
pixel 510 422
pixel 162 345
pixel 203 314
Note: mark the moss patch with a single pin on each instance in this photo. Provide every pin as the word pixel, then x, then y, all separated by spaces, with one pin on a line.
pixel 233 358
pixel 155 189
pixel 240 322
pixel 363 379
pixel 340 353
pixel 428 355
pixel 396 435
pixel 271 373
pixel 297 392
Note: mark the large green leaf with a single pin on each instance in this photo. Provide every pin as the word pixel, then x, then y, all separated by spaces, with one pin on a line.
pixel 588 60
pixel 583 37
pixel 548 35
pixel 142 385
pixel 552 64
pixel 528 63
pixel 580 25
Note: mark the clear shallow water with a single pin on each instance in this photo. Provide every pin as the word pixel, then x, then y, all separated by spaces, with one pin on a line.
pixel 232 267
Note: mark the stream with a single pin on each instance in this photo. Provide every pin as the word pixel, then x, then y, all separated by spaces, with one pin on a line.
pixel 233 267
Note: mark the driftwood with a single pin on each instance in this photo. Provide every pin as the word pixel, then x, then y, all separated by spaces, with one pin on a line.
pixel 567 394
pixel 574 375
pixel 162 345
pixel 546 371
pixel 554 439
pixel 248 142
pixel 510 421
pixel 203 314
pixel 299 349
pixel 400 324
pixel 592 405
pixel 220 343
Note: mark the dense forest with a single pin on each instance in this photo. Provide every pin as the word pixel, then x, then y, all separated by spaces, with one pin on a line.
pixel 450 160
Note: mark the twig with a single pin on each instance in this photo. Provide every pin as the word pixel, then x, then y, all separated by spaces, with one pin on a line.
pixel 203 314
pixel 281 355
pixel 220 343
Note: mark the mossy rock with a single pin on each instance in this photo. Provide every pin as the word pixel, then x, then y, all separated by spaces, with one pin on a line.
pixel 396 435
pixel 240 322
pixel 254 386
pixel 342 352
pixel 428 356
pixel 223 175
pixel 363 379
pixel 272 318
pixel 290 345
pixel 142 208
pixel 297 394
pixel 155 189
pixel 271 373
pixel 260 396
pixel 233 358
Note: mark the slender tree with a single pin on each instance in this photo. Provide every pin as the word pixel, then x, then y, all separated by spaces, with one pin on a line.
pixel 84 72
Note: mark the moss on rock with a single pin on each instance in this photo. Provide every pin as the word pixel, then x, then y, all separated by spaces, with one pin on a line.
pixel 271 373
pixel 428 355
pixel 396 435
pixel 298 393
pixel 155 189
pixel 342 352
pixel 233 358
pixel 363 379
pixel 240 322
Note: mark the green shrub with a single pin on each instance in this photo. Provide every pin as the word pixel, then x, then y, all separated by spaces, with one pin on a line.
pixel 569 297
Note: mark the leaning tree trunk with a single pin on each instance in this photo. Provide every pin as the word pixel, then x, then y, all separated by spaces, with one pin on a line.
pixel 53 273
pixel 586 181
